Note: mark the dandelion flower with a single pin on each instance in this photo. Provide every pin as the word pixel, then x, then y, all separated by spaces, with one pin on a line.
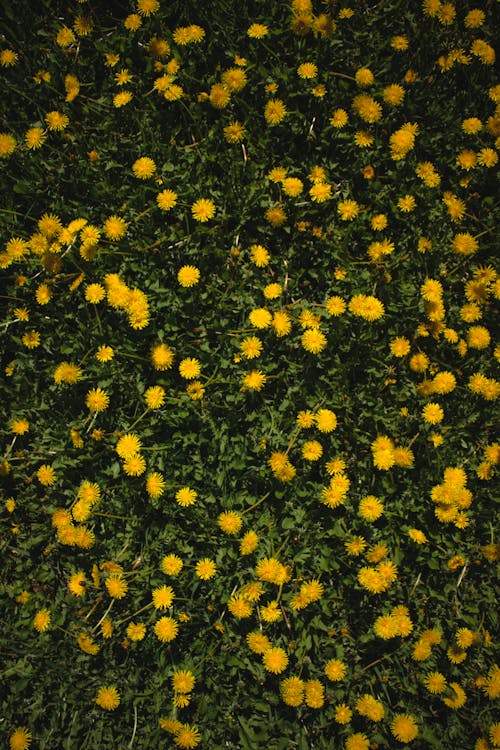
pixel 144 167
pixel 275 112
pixel 219 96
pixel 367 108
pixel 116 586
pixel 400 346
pixel 187 736
pixel 251 347
pixel 147 7
pixel 8 58
pixel 339 118
pixel 371 508
pixel 326 420
pixel 417 536
pixel 235 79
pixel 292 691
pixel 97 400
pixel 320 192
pixel 189 368
pixel 257 31
pixel 435 682
pixel 46 475
pixel 307 70
pixel 128 445
pixel 162 357
pixel 41 621
pixel 163 596
pixel 115 227
pixel 205 569
pixel 404 728
pixel 20 739
pixel 65 37
pixel 186 497
pixel 474 18
pixel 120 100
pixel 432 413
pixel 171 565
pixel 183 681
pixel 56 120
pixel 166 200
pixel 343 714
pixel 312 450
pixel 335 670
pixel 7 145
pixel 348 210
pixel 275 660
pixel 166 629
pixel 249 543
pixel 259 255
pixel 313 340
pixel 230 522
pixel 357 741
pixel 136 631
pixel 154 397
pixel 34 138
pixel 234 132
pixel 203 209
pixel 260 317
pixel 108 698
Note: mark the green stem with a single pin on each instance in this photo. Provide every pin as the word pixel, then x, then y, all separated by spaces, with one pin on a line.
pixel 138 419
pixel 143 609
pixel 256 504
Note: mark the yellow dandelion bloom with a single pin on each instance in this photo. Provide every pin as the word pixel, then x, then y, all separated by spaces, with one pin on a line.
pixel 172 565
pixel 56 120
pixel 275 660
pixel 203 209
pixel 187 736
pixel 97 400
pixel 46 475
pixel 108 698
pixel 144 167
pixel 115 228
pixel 257 31
pixel 20 739
pixel 166 200
pixel 163 596
pixel 205 569
pixel 41 621
pixel 8 58
pixel 34 138
pixel 7 145
pixel 275 112
pixel 404 728
pixel 116 586
pixel 186 497
pixel 230 522
pixel 189 368
pixel 154 397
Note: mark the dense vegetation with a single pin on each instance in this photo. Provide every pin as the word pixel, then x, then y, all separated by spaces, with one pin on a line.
pixel 249 376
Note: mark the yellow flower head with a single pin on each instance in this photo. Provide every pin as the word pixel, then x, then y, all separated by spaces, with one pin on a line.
pixel 108 698
pixel 144 167
pixel 275 660
pixel 203 209
pixel 20 739
pixel 275 112
pixel 186 497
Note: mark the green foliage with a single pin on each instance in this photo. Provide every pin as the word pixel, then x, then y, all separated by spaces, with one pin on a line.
pixel 355 439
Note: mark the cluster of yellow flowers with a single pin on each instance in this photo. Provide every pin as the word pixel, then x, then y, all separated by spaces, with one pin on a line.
pixel 308 286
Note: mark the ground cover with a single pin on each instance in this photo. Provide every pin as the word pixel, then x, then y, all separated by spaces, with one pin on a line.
pixel 249 294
